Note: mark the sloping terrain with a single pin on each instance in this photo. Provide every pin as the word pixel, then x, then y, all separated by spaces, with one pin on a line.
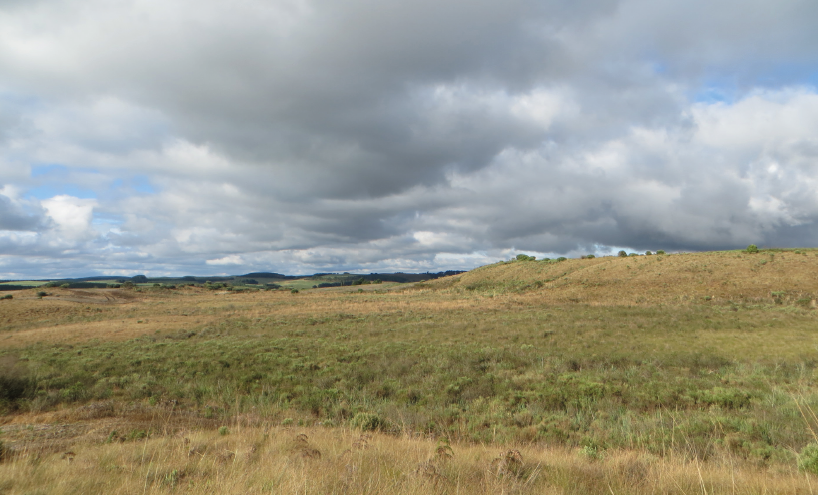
pixel 770 276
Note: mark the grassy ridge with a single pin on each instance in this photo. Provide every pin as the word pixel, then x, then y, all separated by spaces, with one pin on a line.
pixel 727 276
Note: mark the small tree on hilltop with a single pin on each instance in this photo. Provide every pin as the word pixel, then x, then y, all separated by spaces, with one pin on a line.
pixel 752 249
pixel 623 254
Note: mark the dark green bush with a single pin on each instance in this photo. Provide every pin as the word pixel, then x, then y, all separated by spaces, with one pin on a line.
pixel 562 258
pixel 660 252
pixel 648 253
pixel 623 254
pixel 525 257
pixel 294 291
pixel 752 248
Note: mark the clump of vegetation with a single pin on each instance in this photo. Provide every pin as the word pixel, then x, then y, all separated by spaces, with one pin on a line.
pixel 661 251
pixel 368 422
pixel 751 249
pixel 525 257
pixel 808 458
pixel 622 254
pixel 7 296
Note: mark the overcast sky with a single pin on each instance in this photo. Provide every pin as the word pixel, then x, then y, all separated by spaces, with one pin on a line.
pixel 299 136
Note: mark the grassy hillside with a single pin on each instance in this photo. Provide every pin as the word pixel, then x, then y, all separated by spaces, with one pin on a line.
pixel 783 276
pixel 642 375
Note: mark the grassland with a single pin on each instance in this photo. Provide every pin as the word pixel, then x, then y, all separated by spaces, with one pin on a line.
pixel 656 374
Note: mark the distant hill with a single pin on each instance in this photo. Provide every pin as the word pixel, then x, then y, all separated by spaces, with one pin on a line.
pixel 268 279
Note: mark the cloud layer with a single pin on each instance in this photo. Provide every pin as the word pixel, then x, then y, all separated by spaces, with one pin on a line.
pixel 299 136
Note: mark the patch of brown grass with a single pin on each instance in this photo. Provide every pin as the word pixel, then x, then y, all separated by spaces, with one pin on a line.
pixel 317 460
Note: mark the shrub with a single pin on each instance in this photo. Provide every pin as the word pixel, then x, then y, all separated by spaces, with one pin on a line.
pixel 7 296
pixel 41 294
pixel 368 421
pixel 622 254
pixel 752 249
pixel 66 286
pixel 808 459
pixel 525 257
pixel 562 258
pixel 294 291
pixel 660 252
pixel 223 430
pixel 648 253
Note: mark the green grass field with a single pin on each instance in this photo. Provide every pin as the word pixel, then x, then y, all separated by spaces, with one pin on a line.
pixel 680 365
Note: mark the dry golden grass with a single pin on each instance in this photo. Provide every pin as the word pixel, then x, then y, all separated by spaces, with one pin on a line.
pixel 268 459
pixel 674 279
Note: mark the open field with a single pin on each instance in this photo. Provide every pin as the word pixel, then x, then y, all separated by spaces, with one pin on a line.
pixel 696 372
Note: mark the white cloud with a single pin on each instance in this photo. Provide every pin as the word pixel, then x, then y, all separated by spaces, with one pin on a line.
pixel 72 217
pixel 227 260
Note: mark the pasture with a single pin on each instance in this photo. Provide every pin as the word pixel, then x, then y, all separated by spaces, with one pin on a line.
pixel 683 373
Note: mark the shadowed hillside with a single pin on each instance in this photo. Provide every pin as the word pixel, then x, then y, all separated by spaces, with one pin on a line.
pixel 769 276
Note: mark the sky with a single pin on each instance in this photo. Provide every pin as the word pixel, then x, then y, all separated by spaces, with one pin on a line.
pixel 181 137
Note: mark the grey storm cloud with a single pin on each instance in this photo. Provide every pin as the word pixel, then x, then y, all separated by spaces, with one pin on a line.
pixel 14 218
pixel 297 134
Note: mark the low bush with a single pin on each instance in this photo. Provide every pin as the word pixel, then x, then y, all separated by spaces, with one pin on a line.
pixel 622 254
pixel 808 459
pixel 368 422
pixel 752 249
